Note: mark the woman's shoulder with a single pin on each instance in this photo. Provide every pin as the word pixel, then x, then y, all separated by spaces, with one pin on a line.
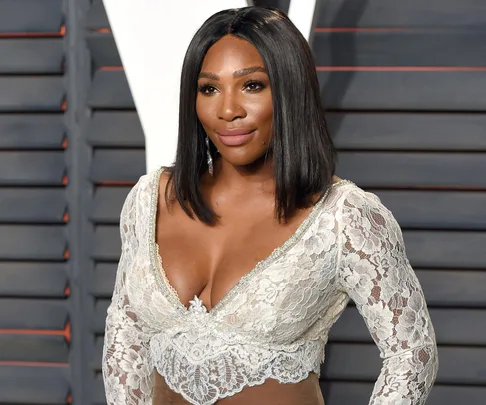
pixel 142 192
pixel 355 204
pixel 362 212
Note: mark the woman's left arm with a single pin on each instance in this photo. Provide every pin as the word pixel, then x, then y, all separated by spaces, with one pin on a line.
pixel 376 274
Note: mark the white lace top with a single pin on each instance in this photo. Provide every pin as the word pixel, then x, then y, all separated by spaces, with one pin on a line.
pixel 275 322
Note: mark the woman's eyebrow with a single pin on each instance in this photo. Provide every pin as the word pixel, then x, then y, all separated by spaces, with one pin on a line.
pixel 236 74
pixel 247 71
pixel 208 75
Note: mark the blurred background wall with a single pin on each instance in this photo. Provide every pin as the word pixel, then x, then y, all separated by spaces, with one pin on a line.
pixel 404 83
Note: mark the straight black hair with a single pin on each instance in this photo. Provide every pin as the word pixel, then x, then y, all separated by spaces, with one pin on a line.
pixel 303 153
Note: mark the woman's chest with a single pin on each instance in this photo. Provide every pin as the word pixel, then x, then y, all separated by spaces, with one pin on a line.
pixel 251 273
pixel 208 262
pixel 277 300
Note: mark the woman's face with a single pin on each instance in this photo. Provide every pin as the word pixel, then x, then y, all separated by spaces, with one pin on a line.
pixel 234 100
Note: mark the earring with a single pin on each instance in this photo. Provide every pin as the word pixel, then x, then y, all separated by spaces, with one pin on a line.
pixel 210 159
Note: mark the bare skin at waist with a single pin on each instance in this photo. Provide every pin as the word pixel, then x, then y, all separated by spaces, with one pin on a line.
pixel 271 392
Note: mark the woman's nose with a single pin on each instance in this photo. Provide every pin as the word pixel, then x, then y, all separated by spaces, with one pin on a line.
pixel 231 108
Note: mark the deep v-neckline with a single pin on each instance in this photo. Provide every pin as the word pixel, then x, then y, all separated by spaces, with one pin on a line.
pixel 171 294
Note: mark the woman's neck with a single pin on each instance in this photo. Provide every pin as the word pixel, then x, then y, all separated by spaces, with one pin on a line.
pixel 257 177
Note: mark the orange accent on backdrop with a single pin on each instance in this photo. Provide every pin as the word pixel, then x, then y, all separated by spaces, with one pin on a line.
pixel 400 69
pixel 66 333
pixel 60 33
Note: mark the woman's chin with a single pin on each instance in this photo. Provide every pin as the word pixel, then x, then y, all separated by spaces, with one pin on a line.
pixel 244 160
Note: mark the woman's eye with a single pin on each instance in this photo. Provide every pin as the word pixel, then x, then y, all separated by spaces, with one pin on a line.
pixel 253 86
pixel 206 89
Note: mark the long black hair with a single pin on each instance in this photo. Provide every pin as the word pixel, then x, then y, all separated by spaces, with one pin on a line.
pixel 303 154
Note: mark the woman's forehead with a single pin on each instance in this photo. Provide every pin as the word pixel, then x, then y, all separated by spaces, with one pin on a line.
pixel 231 54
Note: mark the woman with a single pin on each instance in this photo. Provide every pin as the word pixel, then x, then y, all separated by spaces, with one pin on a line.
pixel 261 246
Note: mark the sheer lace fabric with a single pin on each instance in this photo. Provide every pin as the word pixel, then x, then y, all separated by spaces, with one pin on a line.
pixel 274 323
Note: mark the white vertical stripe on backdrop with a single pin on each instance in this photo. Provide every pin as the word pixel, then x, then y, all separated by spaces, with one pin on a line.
pixel 301 12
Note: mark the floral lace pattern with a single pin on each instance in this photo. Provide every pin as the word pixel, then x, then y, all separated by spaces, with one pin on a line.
pixel 275 322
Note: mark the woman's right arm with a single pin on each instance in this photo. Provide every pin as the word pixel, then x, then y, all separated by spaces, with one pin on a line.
pixel 126 365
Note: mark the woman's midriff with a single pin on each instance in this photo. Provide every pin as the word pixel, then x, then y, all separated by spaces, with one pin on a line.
pixel 271 392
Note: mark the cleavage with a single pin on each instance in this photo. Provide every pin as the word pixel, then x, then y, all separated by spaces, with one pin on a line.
pixel 208 262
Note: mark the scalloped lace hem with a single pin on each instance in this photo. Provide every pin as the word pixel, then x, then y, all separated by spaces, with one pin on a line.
pixel 204 379
pixel 258 381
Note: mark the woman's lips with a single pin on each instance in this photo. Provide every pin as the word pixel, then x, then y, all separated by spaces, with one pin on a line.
pixel 235 137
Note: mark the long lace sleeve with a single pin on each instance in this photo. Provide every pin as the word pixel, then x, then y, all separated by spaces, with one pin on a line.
pixel 376 274
pixel 127 372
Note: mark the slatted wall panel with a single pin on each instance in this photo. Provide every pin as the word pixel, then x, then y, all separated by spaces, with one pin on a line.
pixel 118 160
pixel 404 83
pixel 34 288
